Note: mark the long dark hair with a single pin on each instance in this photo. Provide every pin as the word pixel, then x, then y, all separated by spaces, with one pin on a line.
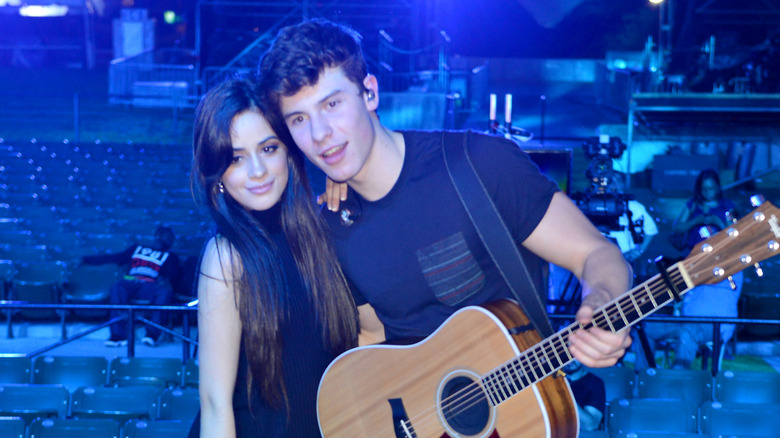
pixel 706 174
pixel 259 277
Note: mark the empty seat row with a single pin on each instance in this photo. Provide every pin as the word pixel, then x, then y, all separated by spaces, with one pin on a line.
pixel 32 401
pixel 72 372
pixel 696 386
pixel 54 282
pixel 681 418
pixel 16 427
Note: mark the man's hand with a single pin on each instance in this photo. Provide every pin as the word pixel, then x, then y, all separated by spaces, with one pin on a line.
pixel 334 194
pixel 596 347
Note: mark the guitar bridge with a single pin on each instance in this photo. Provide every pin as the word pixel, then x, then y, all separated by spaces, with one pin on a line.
pixel 401 425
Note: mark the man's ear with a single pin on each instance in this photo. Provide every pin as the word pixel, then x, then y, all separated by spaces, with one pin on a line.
pixel 371 95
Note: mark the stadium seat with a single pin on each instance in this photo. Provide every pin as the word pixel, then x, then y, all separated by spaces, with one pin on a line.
pixel 54 272
pixel 179 404
pixel 747 387
pixel 649 434
pixel 691 385
pixel 39 282
pixel 12 427
pixel 120 403
pixel 651 415
pixel 17 237
pixel 14 369
pixel 192 373
pixel 160 372
pixel 90 284
pixel 99 242
pixel 8 223
pixel 74 428
pixel 6 277
pixel 71 372
pixel 156 429
pixel 32 401
pixel 619 382
pixel 740 420
pixel 23 253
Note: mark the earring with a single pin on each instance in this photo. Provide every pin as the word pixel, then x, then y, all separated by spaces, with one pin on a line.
pixel 371 94
pixel 221 187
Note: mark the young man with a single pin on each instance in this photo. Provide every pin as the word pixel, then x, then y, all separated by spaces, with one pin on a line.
pixel 408 246
pixel 152 269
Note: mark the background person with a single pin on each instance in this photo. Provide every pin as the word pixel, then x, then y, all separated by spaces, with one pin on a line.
pixel 152 269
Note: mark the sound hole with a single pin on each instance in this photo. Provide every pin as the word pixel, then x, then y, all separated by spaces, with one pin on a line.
pixel 464 406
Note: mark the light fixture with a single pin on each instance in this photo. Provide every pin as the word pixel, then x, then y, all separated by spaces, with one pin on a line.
pixel 43 10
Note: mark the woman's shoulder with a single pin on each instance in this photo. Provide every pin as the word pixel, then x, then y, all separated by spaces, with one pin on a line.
pixel 220 259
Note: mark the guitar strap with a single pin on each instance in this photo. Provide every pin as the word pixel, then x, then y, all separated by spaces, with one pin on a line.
pixel 492 230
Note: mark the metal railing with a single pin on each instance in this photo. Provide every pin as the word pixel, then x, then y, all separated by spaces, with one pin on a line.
pixel 90 118
pixel 131 317
pixel 717 343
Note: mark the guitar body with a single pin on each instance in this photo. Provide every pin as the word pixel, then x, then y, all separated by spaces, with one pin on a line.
pixel 367 390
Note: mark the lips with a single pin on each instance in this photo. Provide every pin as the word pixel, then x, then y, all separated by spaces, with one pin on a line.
pixel 259 190
pixel 334 154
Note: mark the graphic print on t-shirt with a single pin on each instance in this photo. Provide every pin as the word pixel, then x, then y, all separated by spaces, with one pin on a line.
pixel 147 262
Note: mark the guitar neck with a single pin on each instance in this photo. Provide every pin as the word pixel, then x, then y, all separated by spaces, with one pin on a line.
pixel 552 354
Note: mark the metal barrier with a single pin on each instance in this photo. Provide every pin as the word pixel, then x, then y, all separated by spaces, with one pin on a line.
pixel 91 118
pixel 131 317
pixel 158 78
pixel 716 321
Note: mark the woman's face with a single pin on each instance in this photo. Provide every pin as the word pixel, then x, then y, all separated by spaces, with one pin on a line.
pixel 709 189
pixel 257 175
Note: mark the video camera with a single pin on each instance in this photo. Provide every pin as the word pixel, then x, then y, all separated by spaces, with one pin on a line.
pixel 603 202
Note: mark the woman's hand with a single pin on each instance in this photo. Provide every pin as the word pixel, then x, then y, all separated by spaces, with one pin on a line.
pixel 333 195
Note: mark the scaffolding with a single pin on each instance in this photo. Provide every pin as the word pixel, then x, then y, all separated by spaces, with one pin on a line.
pixel 410 23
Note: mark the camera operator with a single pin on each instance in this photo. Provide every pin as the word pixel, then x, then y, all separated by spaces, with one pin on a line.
pixel 616 214
pixel 636 227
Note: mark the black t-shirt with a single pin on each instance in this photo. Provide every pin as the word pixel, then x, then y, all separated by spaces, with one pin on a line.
pixel 414 255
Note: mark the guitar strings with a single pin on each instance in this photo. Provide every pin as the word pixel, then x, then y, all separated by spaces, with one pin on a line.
pixel 508 376
pixel 473 393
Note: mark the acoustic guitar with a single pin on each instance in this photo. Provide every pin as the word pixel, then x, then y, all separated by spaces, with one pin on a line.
pixel 486 373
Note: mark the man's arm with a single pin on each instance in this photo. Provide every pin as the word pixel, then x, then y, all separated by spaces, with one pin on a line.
pixel 119 258
pixel 566 238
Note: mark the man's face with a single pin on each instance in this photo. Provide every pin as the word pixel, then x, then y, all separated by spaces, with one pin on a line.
pixel 331 124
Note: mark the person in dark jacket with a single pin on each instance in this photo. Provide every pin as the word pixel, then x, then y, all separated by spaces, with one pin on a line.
pixel 152 268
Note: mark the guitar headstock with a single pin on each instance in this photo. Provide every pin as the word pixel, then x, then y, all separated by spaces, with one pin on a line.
pixel 752 239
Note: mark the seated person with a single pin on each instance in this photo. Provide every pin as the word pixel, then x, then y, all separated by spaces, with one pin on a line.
pixel 152 269
pixel 589 393
pixel 703 215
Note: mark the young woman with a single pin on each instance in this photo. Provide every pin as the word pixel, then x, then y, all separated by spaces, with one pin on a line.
pixel 274 307
pixel 706 213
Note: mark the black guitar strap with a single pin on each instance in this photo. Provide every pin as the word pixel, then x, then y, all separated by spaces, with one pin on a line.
pixel 492 230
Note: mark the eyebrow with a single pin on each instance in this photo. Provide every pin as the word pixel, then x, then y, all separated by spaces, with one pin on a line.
pixel 319 102
pixel 261 142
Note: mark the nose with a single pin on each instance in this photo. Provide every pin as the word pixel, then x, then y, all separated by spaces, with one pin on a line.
pixel 320 129
pixel 257 167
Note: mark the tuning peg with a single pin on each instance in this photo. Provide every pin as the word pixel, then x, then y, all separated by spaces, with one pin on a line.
pixel 759 270
pixel 732 284
pixel 757 200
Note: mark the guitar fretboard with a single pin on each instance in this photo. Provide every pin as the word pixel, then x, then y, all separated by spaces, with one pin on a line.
pixel 552 354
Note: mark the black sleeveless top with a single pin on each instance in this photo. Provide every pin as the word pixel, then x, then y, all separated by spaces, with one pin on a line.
pixel 304 359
